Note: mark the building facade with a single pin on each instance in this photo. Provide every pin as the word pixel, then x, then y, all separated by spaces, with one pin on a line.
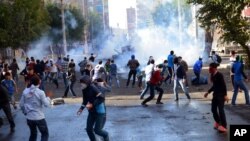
pixel 131 20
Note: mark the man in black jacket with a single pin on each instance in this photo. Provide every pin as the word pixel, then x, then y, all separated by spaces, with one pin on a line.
pixel 180 78
pixel 93 100
pixel 5 105
pixel 219 90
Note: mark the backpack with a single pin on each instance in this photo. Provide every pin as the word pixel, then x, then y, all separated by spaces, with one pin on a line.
pixel 218 58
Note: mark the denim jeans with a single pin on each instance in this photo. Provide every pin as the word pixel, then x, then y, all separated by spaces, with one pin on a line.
pixel 178 82
pixel 42 126
pixel 152 93
pixel 218 105
pixel 65 81
pixel 196 81
pixel 98 120
pixel 114 77
pixel 240 84
pixel 7 110
pixel 145 90
pixel 70 88
pixel 131 72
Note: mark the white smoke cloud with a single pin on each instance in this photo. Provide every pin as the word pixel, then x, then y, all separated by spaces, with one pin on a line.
pixel 39 48
pixel 70 19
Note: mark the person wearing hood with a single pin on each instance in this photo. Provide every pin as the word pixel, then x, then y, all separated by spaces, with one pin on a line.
pixel 32 101
pixel 133 64
pixel 93 100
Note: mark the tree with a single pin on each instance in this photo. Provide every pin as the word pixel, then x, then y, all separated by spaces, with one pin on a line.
pixel 21 21
pixel 74 23
pixel 226 16
pixel 95 25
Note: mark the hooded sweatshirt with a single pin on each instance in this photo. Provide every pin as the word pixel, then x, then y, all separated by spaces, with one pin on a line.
pixel 91 94
pixel 32 101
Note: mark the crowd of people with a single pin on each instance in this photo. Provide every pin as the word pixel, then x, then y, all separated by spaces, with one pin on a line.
pixel 98 79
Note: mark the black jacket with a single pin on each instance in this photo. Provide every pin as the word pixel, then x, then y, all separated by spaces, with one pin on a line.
pixel 92 95
pixel 180 72
pixel 219 88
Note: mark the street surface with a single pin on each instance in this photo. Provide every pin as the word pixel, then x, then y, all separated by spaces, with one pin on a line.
pixel 127 120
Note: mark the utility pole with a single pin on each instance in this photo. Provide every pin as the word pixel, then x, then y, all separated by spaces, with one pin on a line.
pixel 103 15
pixel 63 29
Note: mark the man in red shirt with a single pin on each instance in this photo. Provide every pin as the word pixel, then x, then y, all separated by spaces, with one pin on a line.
pixel 154 83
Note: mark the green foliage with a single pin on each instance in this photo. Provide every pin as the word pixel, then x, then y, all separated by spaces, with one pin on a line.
pixel 74 23
pixel 226 16
pixel 21 21
pixel 95 25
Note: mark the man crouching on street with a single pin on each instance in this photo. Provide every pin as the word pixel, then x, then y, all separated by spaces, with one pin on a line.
pixel 219 90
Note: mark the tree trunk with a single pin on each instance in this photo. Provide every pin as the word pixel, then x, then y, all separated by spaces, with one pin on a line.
pixel 247 51
pixel 208 44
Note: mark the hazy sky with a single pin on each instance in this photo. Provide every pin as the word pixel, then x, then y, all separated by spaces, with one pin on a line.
pixel 117 12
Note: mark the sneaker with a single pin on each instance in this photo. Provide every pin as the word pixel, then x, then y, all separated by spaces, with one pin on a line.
pixel 144 104
pixel 64 96
pixel 222 129
pixel 216 125
pixel 141 97
pixel 159 103
pixel 176 99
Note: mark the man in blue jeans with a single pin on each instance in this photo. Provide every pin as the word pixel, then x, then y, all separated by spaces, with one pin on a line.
pixel 94 101
pixel 32 101
pixel 237 69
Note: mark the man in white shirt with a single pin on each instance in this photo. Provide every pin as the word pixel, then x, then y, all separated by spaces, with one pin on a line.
pixel 148 72
pixel 32 101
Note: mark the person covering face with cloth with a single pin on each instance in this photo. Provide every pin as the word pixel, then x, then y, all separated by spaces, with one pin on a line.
pixel 93 100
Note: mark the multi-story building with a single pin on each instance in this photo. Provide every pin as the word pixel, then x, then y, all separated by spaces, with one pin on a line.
pixel 144 11
pixel 131 20
pixel 101 7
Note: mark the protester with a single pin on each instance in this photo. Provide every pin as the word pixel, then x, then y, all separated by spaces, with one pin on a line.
pixel 113 74
pixel 154 84
pixel 71 76
pixel 11 86
pixel 14 68
pixel 32 101
pixel 238 70
pixel 170 65
pixel 149 60
pixel 133 64
pixel 184 64
pixel 5 105
pixel 219 97
pixel 197 68
pixel 53 73
pixel 148 72
pixel 82 66
pixel 64 70
pixel 72 64
pixel 92 57
pixel 93 100
pixel 99 71
pixel 179 79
